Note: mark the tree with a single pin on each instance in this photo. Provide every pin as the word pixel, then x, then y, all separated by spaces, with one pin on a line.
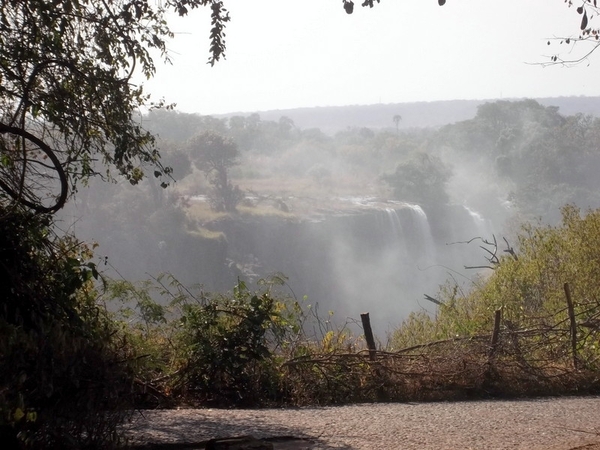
pixel 214 154
pixel 67 92
pixel 66 378
pixel 397 118
pixel 421 180
pixel 69 110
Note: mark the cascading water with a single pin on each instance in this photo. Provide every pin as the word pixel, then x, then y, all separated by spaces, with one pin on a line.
pixel 380 257
pixel 422 234
pixel 389 267
pixel 359 255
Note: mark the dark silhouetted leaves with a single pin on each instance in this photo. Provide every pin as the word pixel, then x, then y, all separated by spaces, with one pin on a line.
pixel 584 21
pixel 441 2
pixel 349 6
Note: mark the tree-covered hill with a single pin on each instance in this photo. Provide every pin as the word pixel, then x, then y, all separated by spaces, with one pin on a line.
pixel 331 119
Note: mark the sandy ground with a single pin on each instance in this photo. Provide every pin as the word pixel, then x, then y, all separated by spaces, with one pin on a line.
pixel 533 424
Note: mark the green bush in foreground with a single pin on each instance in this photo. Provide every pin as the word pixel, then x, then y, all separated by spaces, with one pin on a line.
pixel 227 349
pixel 241 348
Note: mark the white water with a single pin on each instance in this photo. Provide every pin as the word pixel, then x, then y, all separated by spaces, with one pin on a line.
pixel 388 275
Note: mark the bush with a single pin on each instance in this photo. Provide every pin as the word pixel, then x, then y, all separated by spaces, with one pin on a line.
pixel 63 383
pixel 536 352
pixel 238 349
pixel 228 345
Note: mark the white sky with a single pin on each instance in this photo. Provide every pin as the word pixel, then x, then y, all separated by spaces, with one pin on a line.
pixel 302 53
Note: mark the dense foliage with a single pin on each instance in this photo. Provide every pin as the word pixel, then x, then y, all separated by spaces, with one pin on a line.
pixel 228 347
pixel 64 381
pixel 215 155
pixel 240 348
pixel 421 180
pixel 70 110
pixel 69 96
pixel 545 159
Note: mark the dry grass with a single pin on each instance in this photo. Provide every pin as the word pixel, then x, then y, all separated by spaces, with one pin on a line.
pixel 452 370
pixel 522 362
pixel 202 212
pixel 288 198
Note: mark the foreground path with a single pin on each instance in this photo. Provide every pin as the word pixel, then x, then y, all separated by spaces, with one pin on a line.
pixel 540 424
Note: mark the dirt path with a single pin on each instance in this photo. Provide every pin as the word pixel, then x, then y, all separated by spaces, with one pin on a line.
pixel 539 424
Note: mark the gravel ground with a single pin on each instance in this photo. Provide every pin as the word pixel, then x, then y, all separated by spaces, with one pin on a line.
pixel 533 424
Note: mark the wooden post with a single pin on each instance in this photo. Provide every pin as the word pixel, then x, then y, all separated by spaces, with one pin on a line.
pixel 495 333
pixel 490 376
pixel 573 324
pixel 366 323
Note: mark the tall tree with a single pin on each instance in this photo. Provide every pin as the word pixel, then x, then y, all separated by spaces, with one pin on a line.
pixel 397 118
pixel 214 154
pixel 68 94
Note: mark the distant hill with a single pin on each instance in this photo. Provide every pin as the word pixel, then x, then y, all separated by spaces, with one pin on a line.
pixel 331 119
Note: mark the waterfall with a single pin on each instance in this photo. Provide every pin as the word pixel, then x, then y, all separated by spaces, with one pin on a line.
pixel 408 231
pixel 394 221
pixel 423 234
pixel 395 235
pixel 380 257
pixel 382 261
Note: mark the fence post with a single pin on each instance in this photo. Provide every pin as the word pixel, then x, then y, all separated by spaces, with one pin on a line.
pixel 495 333
pixel 366 323
pixel 573 324
pixel 490 375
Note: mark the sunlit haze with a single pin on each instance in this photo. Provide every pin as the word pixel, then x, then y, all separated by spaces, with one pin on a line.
pixel 286 54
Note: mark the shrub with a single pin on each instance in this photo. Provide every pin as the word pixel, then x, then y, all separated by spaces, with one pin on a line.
pixel 63 383
pixel 228 345
pixel 536 352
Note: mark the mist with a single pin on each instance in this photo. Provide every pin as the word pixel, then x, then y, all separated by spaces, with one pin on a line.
pixel 358 219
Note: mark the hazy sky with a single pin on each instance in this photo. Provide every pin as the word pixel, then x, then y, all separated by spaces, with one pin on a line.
pixel 302 53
